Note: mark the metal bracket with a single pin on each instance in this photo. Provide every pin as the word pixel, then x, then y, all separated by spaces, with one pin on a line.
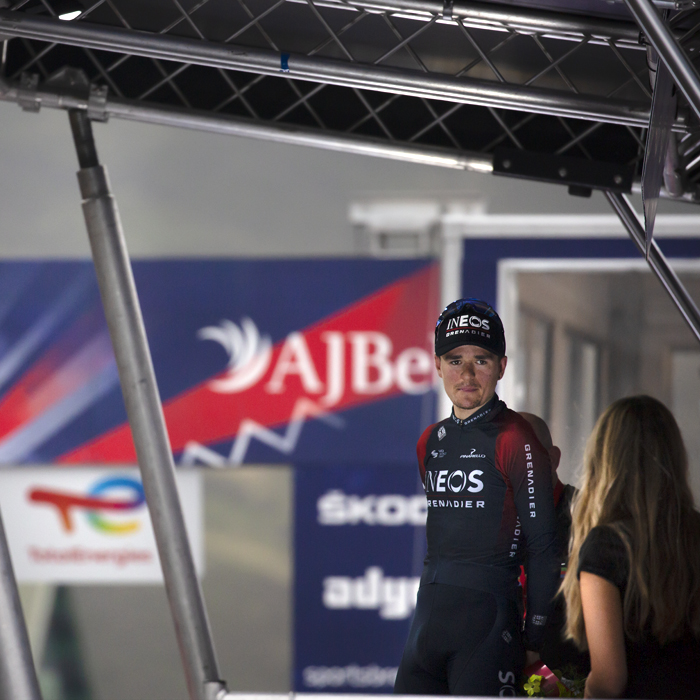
pixel 26 93
pixel 97 103
pixel 579 174
pixel 448 7
pixel 71 80
pixel 663 112
pixel 75 82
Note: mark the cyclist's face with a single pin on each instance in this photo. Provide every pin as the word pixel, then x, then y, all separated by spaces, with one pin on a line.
pixel 470 374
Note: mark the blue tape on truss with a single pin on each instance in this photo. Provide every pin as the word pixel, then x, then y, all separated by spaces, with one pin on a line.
pixel 284 63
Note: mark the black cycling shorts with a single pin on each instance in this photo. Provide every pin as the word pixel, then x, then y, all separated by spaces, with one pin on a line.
pixel 462 642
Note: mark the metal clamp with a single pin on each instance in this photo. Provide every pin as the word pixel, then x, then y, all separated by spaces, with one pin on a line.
pixel 97 103
pixel 26 93
pixel 448 7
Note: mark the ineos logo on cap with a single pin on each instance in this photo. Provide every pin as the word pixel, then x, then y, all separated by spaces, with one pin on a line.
pixel 466 320
pixel 469 322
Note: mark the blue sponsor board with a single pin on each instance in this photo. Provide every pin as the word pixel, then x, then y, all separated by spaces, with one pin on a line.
pixel 256 360
pixel 359 545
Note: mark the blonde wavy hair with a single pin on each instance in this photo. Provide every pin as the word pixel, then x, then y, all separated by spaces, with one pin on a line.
pixel 636 482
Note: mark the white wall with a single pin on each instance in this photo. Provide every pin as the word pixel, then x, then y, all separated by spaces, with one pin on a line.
pixel 190 193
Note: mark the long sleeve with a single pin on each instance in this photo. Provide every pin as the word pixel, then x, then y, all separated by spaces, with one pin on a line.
pixel 526 465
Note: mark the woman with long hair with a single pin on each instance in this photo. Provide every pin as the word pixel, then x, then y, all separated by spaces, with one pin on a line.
pixel 632 587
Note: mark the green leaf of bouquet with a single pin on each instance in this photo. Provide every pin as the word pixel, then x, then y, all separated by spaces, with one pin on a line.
pixel 564 692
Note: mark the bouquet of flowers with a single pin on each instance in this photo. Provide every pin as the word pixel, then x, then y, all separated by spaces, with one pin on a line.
pixel 541 682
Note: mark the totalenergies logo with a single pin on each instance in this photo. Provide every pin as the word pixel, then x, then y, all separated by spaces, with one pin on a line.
pixel 115 494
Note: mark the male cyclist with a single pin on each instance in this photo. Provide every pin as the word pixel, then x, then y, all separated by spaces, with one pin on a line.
pixel 489 489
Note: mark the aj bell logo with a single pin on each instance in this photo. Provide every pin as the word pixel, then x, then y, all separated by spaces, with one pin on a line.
pixel 249 354
pixel 114 494
pixel 373 370
pixel 469 322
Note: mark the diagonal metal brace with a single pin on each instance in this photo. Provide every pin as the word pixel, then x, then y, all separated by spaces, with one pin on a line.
pixel 144 411
pixel 657 262
pixel 669 49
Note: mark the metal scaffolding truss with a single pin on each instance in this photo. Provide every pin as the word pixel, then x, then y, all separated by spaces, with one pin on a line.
pixel 411 79
pixel 491 86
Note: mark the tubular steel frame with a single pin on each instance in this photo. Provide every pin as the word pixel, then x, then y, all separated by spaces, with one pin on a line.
pixel 437 63
pixel 557 96
pixel 393 80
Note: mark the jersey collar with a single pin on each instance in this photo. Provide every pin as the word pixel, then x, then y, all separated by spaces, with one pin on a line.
pixel 481 413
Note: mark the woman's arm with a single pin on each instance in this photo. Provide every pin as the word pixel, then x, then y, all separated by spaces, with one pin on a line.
pixel 602 616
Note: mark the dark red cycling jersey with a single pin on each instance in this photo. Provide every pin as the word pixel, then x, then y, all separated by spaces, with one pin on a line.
pixel 489 489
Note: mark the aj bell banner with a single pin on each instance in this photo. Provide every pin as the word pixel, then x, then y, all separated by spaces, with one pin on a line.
pixel 360 544
pixel 256 361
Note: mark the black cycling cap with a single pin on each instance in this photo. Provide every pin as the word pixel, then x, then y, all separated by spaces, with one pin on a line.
pixel 469 322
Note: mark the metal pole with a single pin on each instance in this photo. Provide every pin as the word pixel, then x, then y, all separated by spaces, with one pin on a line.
pixel 519 19
pixel 657 262
pixel 299 136
pixel 662 39
pixel 217 123
pixel 334 72
pixel 18 679
pixel 144 411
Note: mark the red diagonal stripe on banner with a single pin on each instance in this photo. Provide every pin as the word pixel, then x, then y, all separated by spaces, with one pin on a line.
pixel 52 377
pixel 403 311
